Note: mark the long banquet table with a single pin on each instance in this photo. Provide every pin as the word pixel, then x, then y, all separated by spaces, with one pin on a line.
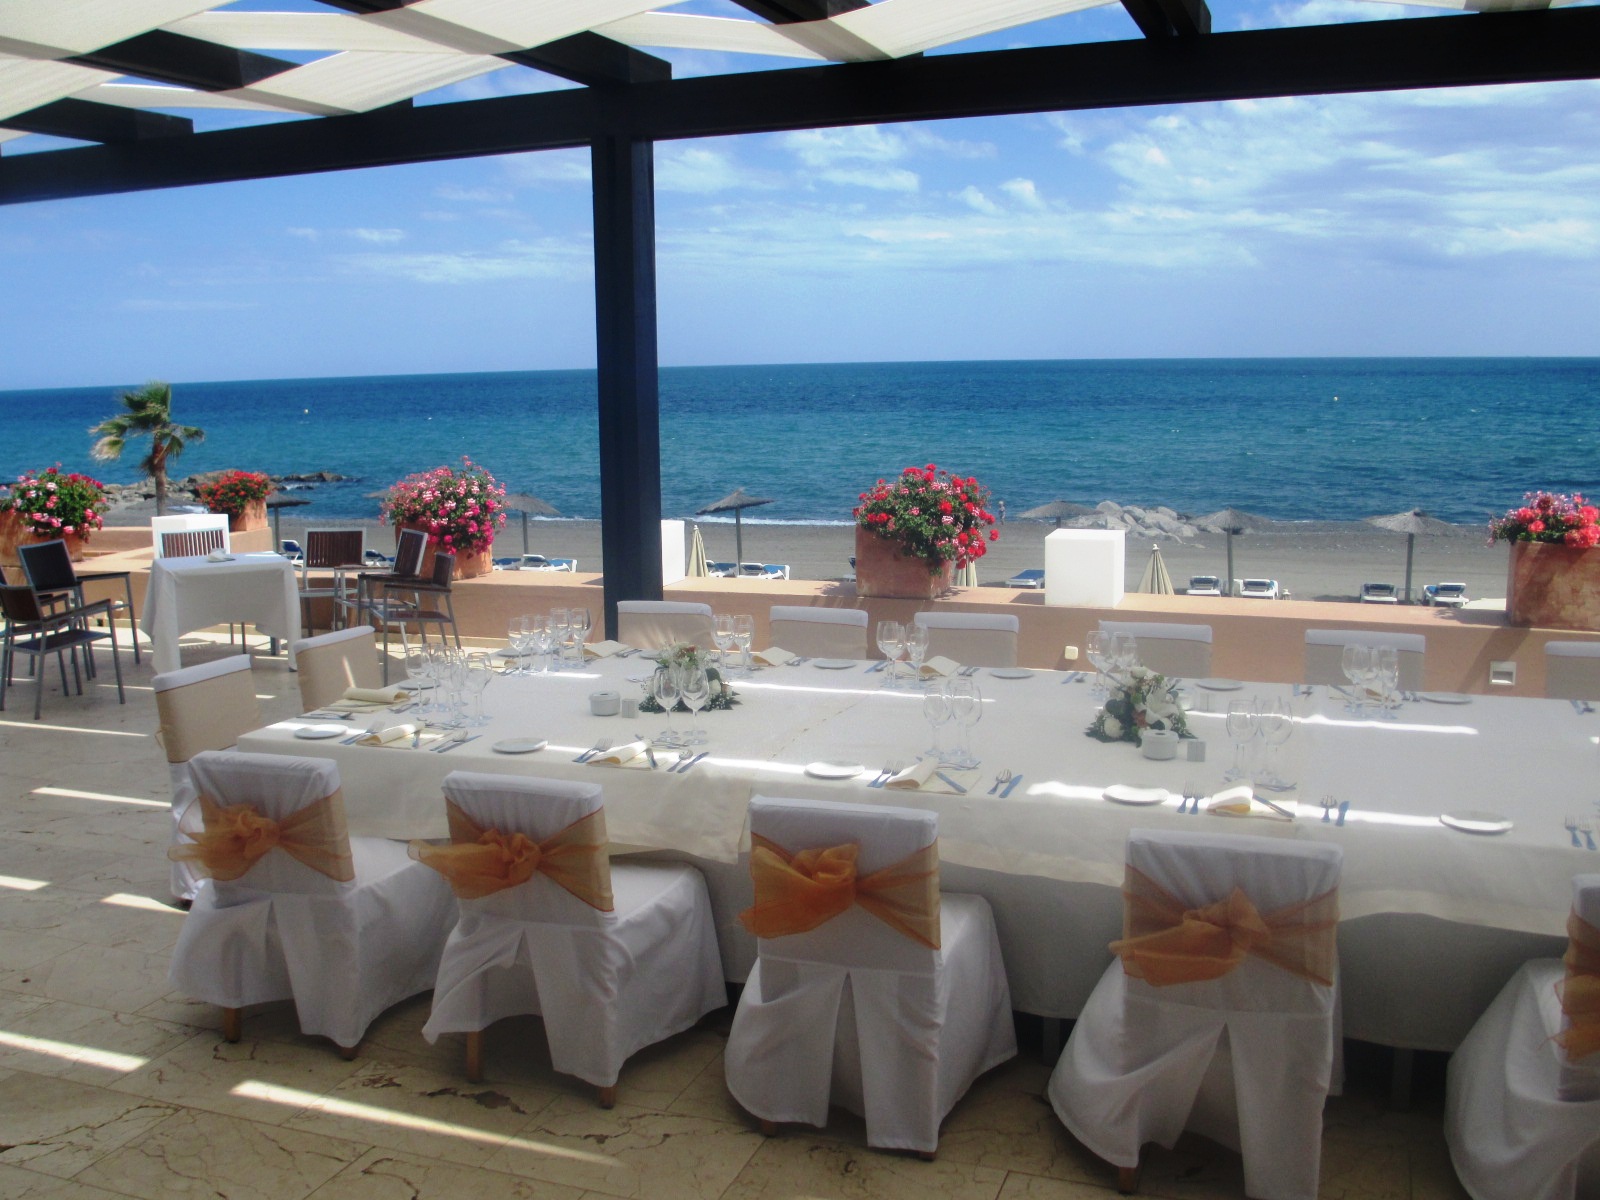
pixel 1433 920
pixel 193 592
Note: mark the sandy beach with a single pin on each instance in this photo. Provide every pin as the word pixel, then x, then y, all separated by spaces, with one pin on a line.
pixel 1311 560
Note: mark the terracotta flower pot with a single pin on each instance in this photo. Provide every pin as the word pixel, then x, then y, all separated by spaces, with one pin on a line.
pixel 881 570
pixel 1553 586
pixel 13 533
pixel 254 516
pixel 469 563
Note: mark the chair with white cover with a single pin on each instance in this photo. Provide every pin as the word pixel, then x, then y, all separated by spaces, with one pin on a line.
pixel 972 639
pixel 1522 1098
pixel 819 632
pixel 188 534
pixel 1219 1013
pixel 1572 670
pixel 297 909
pixel 615 956
pixel 871 990
pixel 204 707
pixel 656 624
pixel 331 663
pixel 1325 650
pixel 1180 651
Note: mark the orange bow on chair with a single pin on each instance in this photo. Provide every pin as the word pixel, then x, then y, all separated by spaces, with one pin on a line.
pixel 1580 990
pixel 236 837
pixel 480 861
pixel 795 893
pixel 1165 943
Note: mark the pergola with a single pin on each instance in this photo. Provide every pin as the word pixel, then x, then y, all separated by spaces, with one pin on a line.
pixel 117 74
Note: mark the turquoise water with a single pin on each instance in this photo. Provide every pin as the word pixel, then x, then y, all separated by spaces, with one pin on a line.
pixel 1289 438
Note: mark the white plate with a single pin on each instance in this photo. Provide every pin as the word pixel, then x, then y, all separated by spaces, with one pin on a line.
pixel 1119 793
pixel 1219 685
pixel 1473 821
pixel 416 685
pixel 834 664
pixel 1011 672
pixel 316 732
pixel 834 770
pixel 1446 698
pixel 519 745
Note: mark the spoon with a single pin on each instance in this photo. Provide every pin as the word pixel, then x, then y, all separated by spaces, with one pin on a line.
pixel 1003 776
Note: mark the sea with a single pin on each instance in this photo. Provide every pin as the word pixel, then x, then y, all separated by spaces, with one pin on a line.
pixel 1296 439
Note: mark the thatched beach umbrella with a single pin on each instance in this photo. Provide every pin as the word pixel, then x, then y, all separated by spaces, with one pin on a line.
pixel 522 502
pixel 276 503
pixel 735 502
pixel 698 567
pixel 1411 522
pixel 1056 510
pixel 1230 521
pixel 1155 581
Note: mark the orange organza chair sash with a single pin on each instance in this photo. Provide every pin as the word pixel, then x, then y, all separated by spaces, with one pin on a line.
pixel 480 862
pixel 795 893
pixel 236 836
pixel 1580 990
pixel 1163 942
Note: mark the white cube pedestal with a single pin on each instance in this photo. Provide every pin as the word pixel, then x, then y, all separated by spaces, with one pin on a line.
pixel 1084 567
pixel 674 553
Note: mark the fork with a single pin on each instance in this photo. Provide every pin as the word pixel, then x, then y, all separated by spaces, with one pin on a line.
pixel 1572 828
pixel 599 747
pixel 1002 776
pixel 1587 829
pixel 1183 804
pixel 1327 808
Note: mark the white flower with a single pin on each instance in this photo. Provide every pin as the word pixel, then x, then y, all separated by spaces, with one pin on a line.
pixel 1112 726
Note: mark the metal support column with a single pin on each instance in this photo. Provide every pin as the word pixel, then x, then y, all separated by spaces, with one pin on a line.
pixel 625 337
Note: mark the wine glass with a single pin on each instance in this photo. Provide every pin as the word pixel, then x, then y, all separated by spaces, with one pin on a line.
pixel 480 670
pixel 916 644
pixel 1125 652
pixel 664 687
pixel 966 710
pixel 891 640
pixel 1275 722
pixel 1355 661
pixel 560 627
pixel 517 643
pixel 1097 648
pixel 936 711
pixel 744 628
pixel 722 635
pixel 695 690
pixel 581 624
pixel 1386 670
pixel 1241 727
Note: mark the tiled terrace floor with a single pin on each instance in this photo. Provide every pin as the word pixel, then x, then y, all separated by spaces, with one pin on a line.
pixel 112 1085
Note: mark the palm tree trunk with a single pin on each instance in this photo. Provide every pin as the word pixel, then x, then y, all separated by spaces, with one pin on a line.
pixel 158 475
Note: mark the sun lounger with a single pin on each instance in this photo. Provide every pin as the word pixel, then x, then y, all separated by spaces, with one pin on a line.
pixel 538 562
pixel 1259 589
pixel 754 570
pixel 1379 593
pixel 1033 577
pixel 1446 595
pixel 1204 585
pixel 722 570
pixel 291 549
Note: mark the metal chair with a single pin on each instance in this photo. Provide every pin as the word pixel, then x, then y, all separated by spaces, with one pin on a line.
pixel 33 631
pixel 335 551
pixel 410 546
pixel 392 608
pixel 48 569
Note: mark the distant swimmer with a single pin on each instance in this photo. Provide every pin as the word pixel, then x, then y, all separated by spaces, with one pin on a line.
pixel 1002 508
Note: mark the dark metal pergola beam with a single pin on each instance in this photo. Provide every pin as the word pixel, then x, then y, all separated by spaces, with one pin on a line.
pixel 1169 18
pixel 105 123
pixel 1522 47
pixel 789 12
pixel 185 61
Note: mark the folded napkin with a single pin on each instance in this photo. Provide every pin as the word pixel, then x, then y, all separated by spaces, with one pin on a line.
pixel 603 649
pixel 774 656
pixel 377 695
pixel 620 756
pixel 219 556
pixel 923 776
pixel 1241 802
pixel 385 734
pixel 938 667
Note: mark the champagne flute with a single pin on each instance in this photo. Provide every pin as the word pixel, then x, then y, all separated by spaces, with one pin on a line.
pixel 695 690
pixel 744 628
pixel 664 687
pixel 936 711
pixel 916 643
pixel 1386 669
pixel 891 638
pixel 581 625
pixel 1241 727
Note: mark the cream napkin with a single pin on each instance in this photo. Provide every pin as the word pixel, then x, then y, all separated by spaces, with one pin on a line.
pixel 775 656
pixel 619 756
pixel 938 667
pixel 923 776
pixel 384 734
pixel 378 695
pixel 603 649
pixel 1241 802
pixel 219 556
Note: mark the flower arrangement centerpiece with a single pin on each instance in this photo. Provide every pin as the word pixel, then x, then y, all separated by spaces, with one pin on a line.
pixel 233 492
pixel 1143 701
pixel 1549 517
pixel 51 504
pixel 1553 580
pixel 936 520
pixel 681 656
pixel 459 508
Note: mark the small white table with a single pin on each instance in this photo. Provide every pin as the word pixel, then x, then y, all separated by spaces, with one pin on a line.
pixel 186 594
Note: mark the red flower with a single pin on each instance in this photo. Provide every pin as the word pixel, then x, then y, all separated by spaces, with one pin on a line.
pixel 1535 526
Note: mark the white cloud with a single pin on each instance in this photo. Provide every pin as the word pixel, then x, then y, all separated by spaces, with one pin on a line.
pixel 884 179
pixel 1023 192
pixel 543 167
pixel 303 232
pixel 380 236
pixel 974 199
pixel 548 258
pixel 704 169
pixel 472 195
pixel 922 138
pixel 826 147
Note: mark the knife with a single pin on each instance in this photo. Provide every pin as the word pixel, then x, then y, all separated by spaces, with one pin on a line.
pixel 690 765
pixel 1277 808
pixel 446 749
pixel 1006 791
pixel 878 666
pixel 940 775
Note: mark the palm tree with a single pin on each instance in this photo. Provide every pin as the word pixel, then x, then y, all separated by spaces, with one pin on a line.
pixel 149 415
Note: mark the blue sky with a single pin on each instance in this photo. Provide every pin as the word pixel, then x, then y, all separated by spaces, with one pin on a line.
pixel 1461 221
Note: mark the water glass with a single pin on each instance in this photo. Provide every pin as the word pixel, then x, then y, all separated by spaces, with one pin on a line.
pixel 1125 652
pixel 480 670
pixel 517 643
pixel 560 627
pixel 722 635
pixel 1241 726
pixel 891 642
pixel 695 690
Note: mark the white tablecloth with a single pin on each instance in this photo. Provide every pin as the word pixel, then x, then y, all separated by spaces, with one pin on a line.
pixel 186 594
pixel 1531 760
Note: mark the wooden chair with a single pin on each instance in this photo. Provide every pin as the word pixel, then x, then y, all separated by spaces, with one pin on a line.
pixel 334 552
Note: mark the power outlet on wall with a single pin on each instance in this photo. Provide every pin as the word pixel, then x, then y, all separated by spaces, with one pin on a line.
pixel 1502 674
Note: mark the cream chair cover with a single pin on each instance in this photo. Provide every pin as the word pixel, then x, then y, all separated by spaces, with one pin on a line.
pixel 1572 670
pixel 819 632
pixel 653 624
pixel 607 983
pixel 1325 650
pixel 205 707
pixel 1522 1120
pixel 1182 651
pixel 343 951
pixel 1246 1059
pixel 972 639
pixel 332 662
pixel 858 1014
